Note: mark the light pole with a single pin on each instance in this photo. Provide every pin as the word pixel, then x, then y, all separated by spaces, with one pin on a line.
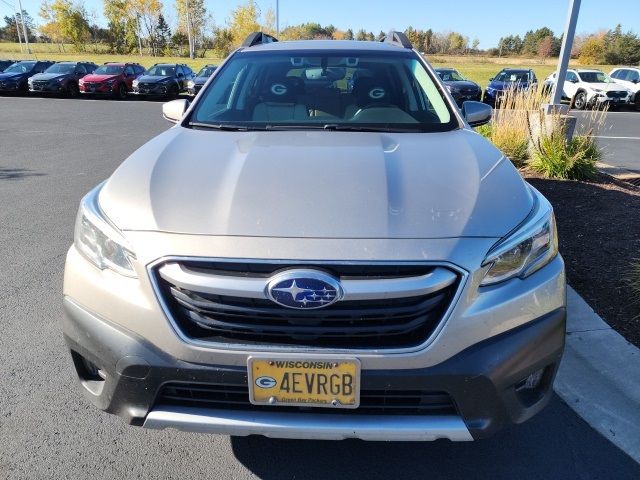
pixel 24 28
pixel 15 15
pixel 565 54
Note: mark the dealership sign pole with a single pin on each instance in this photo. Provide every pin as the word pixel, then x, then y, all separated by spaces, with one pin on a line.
pixel 565 53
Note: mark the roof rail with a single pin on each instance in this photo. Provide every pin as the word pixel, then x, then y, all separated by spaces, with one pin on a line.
pixel 397 38
pixel 258 38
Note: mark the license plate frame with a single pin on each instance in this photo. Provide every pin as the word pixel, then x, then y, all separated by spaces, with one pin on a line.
pixel 258 367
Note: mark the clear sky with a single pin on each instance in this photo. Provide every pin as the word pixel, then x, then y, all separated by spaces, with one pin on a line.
pixel 488 20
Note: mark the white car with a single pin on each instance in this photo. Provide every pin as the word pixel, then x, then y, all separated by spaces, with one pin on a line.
pixel 591 88
pixel 628 77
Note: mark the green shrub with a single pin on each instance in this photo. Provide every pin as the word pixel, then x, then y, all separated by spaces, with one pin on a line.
pixel 484 130
pixel 555 157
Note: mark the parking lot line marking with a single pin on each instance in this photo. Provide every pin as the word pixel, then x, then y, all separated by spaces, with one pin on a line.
pixel 616 138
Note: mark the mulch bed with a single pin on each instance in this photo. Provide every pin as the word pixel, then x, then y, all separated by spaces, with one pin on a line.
pixel 599 230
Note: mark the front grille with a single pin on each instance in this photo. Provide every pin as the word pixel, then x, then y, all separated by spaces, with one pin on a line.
pixel 372 402
pixel 352 324
pixel 616 94
pixel 40 84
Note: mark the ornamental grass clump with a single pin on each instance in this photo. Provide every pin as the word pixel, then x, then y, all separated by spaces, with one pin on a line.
pixel 553 155
pixel 509 129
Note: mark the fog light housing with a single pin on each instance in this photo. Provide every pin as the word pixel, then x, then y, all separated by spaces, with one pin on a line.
pixel 531 382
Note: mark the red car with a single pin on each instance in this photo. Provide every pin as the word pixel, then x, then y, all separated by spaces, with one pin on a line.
pixel 114 79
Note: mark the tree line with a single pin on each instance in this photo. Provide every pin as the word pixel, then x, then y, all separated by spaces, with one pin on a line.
pixel 140 26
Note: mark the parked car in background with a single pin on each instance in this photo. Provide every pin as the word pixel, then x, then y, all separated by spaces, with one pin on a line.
pixel 164 80
pixel 15 78
pixel 509 78
pixel 113 79
pixel 194 86
pixel 629 77
pixel 461 89
pixel 591 89
pixel 61 78
pixel 4 64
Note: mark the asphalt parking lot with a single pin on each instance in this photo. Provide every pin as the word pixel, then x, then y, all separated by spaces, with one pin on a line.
pixel 619 138
pixel 52 151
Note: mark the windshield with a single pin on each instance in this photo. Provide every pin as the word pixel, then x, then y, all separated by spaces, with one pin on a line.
pixel 20 67
pixel 109 70
pixel 595 77
pixel 512 77
pixel 206 72
pixel 450 76
pixel 341 90
pixel 161 71
pixel 61 68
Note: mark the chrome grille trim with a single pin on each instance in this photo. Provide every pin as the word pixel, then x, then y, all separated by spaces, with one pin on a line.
pixel 252 287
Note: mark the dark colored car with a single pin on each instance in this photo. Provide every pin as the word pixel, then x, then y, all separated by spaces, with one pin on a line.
pixel 112 79
pixel 509 78
pixel 4 64
pixel 164 80
pixel 61 78
pixel 195 85
pixel 460 88
pixel 16 77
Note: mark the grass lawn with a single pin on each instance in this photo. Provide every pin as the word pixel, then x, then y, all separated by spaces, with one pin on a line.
pixel 478 69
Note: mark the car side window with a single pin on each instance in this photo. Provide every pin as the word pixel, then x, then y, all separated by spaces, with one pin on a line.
pixel 571 77
pixel 128 71
pixel 139 70
pixel 81 70
pixel 618 74
pixel 179 71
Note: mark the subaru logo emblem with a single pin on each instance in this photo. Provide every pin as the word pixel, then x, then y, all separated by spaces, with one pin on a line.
pixel 304 289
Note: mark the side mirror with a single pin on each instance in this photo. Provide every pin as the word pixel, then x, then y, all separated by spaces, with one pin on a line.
pixel 635 80
pixel 476 113
pixel 174 110
pixel 491 79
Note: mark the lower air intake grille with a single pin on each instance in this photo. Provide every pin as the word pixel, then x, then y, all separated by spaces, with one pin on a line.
pixel 372 402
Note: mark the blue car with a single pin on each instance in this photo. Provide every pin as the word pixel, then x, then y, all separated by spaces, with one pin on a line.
pixel 509 78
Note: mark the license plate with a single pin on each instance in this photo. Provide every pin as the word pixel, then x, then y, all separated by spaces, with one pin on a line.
pixel 304 381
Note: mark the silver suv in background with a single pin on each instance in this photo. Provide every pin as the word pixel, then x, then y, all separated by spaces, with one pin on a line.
pixel 339 255
pixel 629 77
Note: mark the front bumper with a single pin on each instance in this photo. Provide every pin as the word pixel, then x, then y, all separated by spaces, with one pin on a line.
pixel 10 87
pixel 154 90
pixel 102 89
pixel 460 98
pixel 483 380
pixel 53 89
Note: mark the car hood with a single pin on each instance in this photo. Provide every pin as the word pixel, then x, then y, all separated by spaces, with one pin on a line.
pixel 152 79
pixel 463 84
pixel 49 76
pixel 98 78
pixel 504 85
pixel 318 185
pixel 12 75
pixel 608 87
pixel 200 80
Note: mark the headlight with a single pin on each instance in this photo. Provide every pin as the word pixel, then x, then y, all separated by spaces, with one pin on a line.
pixel 598 90
pixel 526 251
pixel 135 83
pixel 191 84
pixel 99 241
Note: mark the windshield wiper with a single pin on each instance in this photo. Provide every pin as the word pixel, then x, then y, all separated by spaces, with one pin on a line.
pixel 226 127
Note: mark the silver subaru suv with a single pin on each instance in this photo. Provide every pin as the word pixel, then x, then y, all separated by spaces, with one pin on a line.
pixel 338 256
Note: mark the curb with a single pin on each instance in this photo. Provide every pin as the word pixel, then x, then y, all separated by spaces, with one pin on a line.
pixel 599 377
pixel 630 177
